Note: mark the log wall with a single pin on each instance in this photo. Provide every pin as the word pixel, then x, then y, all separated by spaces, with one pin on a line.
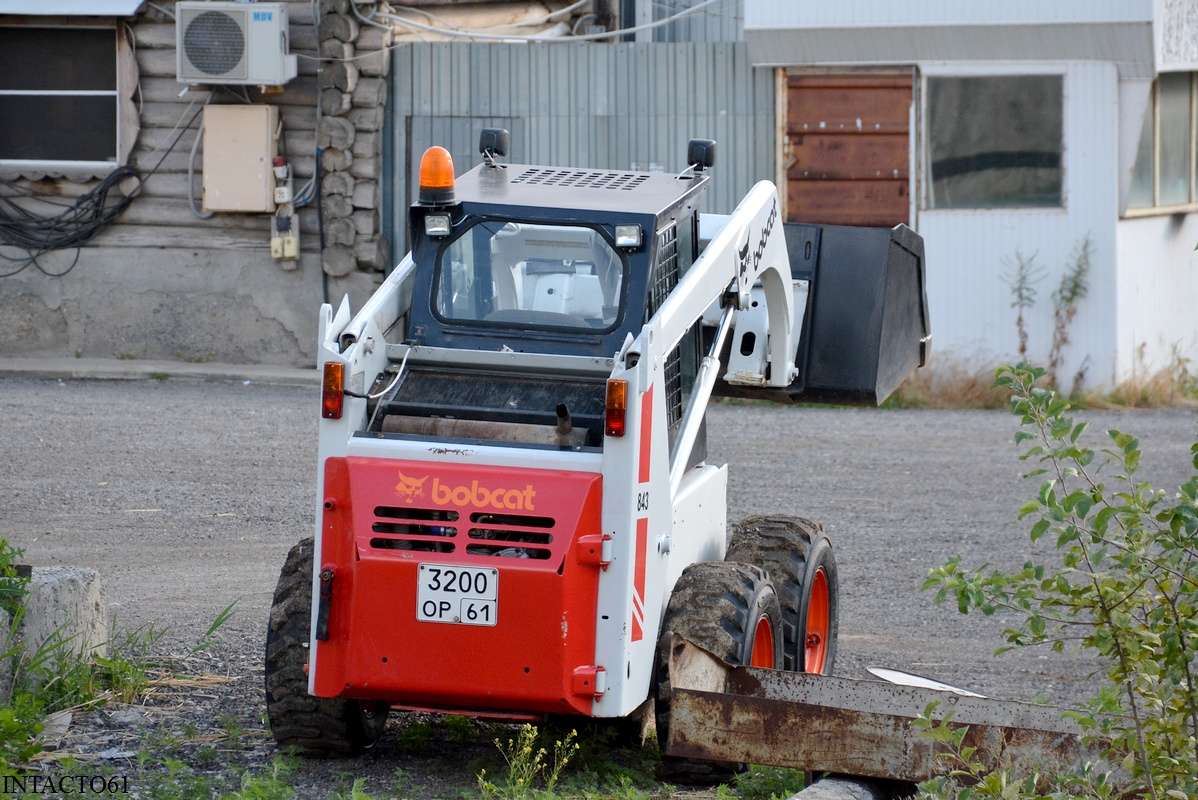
pixel 162 282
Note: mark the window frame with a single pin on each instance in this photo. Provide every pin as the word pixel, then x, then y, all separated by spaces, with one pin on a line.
pixel 126 115
pixel 1156 209
pixel 921 136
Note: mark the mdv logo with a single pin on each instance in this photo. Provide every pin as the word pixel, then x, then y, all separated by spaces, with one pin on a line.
pixel 262 16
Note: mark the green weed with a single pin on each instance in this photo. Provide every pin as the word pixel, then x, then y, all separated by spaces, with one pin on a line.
pixel 527 764
pixel 1125 588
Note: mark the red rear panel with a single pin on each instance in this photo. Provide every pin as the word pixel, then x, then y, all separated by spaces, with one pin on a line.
pixel 506 590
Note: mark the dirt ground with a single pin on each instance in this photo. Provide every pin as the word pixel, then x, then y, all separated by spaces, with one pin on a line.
pixel 185 496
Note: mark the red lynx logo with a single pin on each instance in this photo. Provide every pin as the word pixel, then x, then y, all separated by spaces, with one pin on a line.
pixel 408 489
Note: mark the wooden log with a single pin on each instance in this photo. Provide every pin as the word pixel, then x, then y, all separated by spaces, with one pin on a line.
pixel 305 40
pixel 300 12
pixel 338 260
pixel 175 237
pixel 373 252
pixel 367 145
pixel 341 183
pixel 367 119
pixel 334 160
pixel 334 7
pixel 370 92
pixel 300 91
pixel 376 64
pixel 366 221
pixel 336 132
pixel 156 63
pixel 336 206
pixel 341 75
pixel 150 35
pixel 338 26
pixel 367 195
pixel 295 143
pixel 174 211
pixel 371 37
pixel 366 168
pixel 339 231
pixel 335 48
pixel 334 102
pixel 302 167
pixel 168 115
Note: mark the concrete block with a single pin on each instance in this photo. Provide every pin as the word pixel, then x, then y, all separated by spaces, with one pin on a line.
pixel 67 602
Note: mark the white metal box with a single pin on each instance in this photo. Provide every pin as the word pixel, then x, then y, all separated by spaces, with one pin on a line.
pixel 240 144
pixel 239 43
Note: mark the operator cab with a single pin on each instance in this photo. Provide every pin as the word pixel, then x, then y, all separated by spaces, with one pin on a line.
pixel 545 260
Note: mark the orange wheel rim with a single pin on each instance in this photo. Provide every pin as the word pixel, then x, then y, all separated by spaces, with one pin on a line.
pixel 763 644
pixel 819 614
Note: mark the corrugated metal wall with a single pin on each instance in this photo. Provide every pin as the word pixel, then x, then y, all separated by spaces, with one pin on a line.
pixel 722 21
pixel 602 106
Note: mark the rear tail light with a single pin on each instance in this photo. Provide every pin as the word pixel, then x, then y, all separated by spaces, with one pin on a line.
pixel 330 394
pixel 615 407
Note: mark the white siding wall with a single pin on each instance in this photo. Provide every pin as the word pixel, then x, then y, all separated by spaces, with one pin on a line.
pixel 1158 291
pixel 968 251
pixel 906 13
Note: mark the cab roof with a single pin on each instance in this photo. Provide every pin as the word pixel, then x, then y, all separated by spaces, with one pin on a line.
pixel 581 189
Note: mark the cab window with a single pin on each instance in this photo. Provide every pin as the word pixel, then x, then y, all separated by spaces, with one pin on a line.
pixel 524 275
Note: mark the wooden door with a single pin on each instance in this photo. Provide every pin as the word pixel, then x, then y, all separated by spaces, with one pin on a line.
pixel 848 140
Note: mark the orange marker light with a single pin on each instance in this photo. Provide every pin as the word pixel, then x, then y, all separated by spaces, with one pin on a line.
pixel 615 407
pixel 330 393
pixel 436 177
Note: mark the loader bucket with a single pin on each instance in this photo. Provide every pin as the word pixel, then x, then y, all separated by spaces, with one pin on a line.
pixel 866 326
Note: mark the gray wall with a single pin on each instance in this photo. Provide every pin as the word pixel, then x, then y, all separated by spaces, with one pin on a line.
pixel 600 106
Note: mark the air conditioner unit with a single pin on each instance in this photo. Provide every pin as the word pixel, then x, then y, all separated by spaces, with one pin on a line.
pixel 226 42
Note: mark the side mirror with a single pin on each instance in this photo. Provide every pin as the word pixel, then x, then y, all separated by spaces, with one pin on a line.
pixel 700 154
pixel 494 141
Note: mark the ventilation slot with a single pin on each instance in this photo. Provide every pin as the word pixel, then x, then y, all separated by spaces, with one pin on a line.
pixel 581 179
pixel 510 542
pixel 418 534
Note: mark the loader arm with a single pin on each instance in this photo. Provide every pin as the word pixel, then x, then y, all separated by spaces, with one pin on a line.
pixel 749 248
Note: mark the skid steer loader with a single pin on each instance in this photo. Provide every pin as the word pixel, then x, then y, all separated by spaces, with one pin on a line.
pixel 514 496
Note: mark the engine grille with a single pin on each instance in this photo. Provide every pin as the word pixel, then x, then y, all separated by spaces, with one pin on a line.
pixel 488 534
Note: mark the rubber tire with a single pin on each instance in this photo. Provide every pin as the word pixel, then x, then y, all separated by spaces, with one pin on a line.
pixel 716 605
pixel 791 550
pixel 315 726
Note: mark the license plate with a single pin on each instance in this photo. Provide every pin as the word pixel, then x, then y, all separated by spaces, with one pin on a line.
pixel 457 595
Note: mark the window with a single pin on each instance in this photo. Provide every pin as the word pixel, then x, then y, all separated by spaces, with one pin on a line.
pixel 61 98
pixel 1166 171
pixel 526 275
pixel 995 141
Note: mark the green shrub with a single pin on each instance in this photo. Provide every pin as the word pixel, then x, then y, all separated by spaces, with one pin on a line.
pixel 1125 589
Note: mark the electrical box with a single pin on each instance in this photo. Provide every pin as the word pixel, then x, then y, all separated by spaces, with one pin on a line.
pixel 240 143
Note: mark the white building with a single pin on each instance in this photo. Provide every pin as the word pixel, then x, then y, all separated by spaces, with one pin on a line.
pixel 1000 130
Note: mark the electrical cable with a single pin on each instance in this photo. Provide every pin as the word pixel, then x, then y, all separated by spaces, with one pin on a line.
pixel 191 181
pixel 76 224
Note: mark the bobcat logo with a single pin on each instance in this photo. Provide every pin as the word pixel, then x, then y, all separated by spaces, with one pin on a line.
pixel 409 488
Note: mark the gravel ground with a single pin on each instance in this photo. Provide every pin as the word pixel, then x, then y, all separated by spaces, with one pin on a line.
pixel 186 495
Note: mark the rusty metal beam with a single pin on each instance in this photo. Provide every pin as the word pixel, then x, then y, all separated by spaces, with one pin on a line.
pixel 851 727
